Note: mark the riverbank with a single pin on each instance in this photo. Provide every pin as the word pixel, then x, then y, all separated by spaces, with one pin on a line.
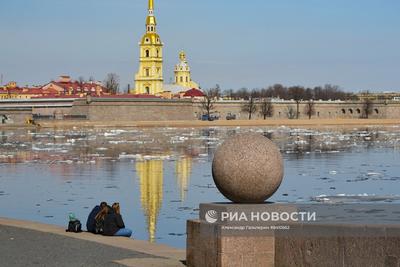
pixel 27 243
pixel 222 123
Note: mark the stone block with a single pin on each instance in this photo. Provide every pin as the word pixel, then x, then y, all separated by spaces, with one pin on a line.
pixel 264 260
pixel 364 251
pixel 237 245
pixel 230 260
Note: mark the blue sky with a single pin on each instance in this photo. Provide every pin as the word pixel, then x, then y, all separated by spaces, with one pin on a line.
pixel 351 43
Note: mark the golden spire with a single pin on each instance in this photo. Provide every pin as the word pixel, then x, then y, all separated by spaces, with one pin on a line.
pixel 151 19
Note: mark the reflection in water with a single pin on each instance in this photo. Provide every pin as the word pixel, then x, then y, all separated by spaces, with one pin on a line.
pixel 151 192
pixel 68 170
pixel 183 171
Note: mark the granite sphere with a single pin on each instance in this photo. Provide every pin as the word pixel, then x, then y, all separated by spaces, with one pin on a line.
pixel 248 168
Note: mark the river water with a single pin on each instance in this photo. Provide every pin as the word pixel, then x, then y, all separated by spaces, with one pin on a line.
pixel 160 175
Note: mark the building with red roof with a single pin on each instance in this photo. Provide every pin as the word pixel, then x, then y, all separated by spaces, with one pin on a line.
pixel 194 93
pixel 65 86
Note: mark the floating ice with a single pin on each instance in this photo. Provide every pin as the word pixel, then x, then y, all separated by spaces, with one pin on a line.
pixel 350 198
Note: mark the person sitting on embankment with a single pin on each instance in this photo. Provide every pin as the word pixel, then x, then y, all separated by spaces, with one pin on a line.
pixel 100 219
pixel 91 221
pixel 114 224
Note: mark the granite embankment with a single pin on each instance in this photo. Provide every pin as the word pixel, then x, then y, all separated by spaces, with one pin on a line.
pixel 33 244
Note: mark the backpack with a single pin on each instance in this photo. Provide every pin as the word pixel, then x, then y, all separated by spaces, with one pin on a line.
pixel 99 227
pixel 74 226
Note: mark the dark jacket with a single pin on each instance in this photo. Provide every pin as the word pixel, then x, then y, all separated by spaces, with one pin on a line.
pixel 91 222
pixel 112 223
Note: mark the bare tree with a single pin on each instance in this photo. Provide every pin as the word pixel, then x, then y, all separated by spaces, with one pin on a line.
pixel 309 109
pixel 228 93
pixel 279 91
pixel 112 83
pixel 207 104
pixel 368 106
pixel 250 106
pixel 266 108
pixel 243 93
pixel 297 94
pixel 216 91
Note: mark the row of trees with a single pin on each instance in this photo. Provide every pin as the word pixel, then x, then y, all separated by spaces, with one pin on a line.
pixel 260 100
pixel 297 93
pixel 326 92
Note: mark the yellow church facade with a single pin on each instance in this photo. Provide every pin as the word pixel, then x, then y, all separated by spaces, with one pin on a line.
pixel 149 77
pixel 182 73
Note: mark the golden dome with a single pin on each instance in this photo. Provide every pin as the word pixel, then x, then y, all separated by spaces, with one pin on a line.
pixel 151 38
pixel 151 20
pixel 182 56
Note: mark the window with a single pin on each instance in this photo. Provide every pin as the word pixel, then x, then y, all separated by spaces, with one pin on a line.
pixel 358 111
pixel 187 79
pixel 147 53
pixel 176 79
pixel 351 111
pixel 343 111
pixel 181 79
pixel 147 71
pixel 158 53
pixel 376 111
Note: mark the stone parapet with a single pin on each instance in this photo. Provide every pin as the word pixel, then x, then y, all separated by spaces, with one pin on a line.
pixel 362 242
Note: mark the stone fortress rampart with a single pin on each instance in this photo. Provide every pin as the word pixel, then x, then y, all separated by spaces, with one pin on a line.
pixel 120 109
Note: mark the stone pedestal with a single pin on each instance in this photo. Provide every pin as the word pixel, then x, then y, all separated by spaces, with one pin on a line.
pixel 208 247
pixel 226 244
pixel 233 241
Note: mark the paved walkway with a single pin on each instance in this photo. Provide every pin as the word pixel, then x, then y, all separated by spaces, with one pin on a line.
pixel 33 244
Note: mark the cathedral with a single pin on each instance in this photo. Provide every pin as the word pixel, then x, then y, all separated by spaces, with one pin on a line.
pixel 149 78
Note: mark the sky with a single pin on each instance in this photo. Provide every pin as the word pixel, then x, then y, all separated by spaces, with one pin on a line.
pixel 354 44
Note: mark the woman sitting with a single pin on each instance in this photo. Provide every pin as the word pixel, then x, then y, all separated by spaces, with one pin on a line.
pixel 114 225
pixel 100 218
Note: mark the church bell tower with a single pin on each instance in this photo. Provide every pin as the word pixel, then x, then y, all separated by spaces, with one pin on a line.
pixel 149 78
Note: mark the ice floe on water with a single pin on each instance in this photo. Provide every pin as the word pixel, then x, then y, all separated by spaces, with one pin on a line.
pixel 352 198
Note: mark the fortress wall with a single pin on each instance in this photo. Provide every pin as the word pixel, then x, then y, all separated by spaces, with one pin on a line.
pixel 324 110
pixel 16 115
pixel 134 110
pixel 158 110
pixel 50 111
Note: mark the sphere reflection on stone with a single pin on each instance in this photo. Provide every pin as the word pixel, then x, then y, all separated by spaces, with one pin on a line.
pixel 248 168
